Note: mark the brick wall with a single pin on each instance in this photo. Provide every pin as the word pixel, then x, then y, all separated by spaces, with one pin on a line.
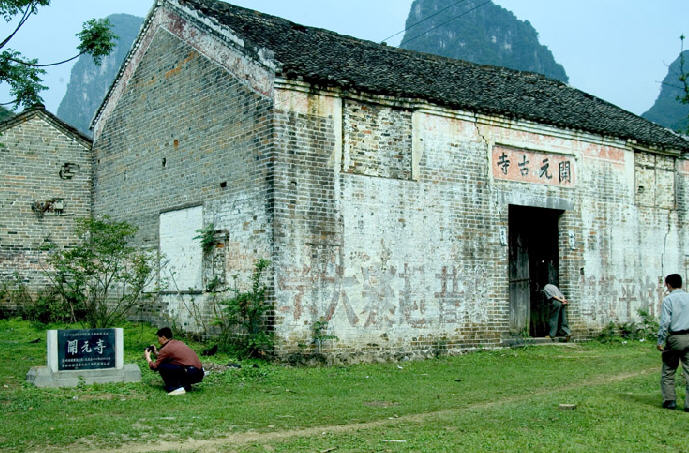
pixel 682 185
pixel 377 140
pixel 390 224
pixel 186 131
pixel 45 185
pixel 397 266
pixel 308 228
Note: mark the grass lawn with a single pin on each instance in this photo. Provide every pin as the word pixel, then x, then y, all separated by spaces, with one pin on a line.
pixel 505 400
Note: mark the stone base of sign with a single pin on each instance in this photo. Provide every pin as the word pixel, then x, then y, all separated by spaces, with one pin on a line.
pixel 43 376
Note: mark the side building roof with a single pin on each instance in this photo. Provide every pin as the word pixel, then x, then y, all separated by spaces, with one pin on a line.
pixel 39 110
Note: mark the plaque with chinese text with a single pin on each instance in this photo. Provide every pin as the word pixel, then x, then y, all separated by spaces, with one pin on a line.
pixel 86 349
pixel 533 167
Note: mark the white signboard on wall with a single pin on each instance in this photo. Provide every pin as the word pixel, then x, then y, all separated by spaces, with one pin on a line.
pixel 528 166
pixel 181 254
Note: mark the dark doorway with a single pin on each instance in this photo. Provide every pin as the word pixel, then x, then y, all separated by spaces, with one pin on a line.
pixel 534 261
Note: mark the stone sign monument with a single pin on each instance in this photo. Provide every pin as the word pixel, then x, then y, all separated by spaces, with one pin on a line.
pixel 88 356
pixel 85 349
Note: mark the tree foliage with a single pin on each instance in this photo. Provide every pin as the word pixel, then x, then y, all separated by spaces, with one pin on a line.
pixel 24 75
pixel 102 277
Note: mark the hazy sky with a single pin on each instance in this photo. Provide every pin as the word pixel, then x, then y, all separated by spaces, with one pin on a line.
pixel 618 50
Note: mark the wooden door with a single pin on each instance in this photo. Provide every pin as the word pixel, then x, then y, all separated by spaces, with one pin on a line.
pixel 520 283
pixel 533 262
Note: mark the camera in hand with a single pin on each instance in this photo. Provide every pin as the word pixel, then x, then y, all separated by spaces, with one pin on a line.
pixel 151 348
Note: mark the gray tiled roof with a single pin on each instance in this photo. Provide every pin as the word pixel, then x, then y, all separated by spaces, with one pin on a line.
pixel 326 58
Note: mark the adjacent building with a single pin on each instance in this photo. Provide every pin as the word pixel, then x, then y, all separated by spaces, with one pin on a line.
pixel 45 185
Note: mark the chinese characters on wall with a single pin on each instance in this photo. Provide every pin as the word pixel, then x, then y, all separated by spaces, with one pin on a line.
pixel 86 349
pixel 530 166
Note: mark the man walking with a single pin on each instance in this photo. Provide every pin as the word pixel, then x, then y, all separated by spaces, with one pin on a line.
pixel 558 316
pixel 673 340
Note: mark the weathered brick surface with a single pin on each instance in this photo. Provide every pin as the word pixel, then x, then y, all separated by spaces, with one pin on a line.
pixel 394 265
pixel 377 140
pixel 45 165
pixel 401 267
pixel 188 132
pixel 308 231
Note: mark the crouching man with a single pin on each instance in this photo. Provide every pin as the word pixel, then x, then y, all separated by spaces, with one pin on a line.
pixel 177 363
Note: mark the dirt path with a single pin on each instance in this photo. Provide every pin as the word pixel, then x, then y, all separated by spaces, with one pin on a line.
pixel 249 437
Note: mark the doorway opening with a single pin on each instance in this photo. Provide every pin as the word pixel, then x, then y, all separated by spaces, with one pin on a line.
pixel 533 262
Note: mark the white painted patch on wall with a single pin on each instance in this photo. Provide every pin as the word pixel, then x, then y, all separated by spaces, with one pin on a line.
pixel 181 254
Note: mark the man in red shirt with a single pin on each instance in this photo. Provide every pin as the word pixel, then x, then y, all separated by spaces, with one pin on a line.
pixel 177 363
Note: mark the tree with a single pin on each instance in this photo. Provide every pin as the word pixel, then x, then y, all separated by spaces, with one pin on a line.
pixel 102 277
pixel 24 75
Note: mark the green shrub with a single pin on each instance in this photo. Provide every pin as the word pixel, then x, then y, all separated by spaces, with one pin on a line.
pixel 241 318
pixel 628 330
pixel 319 335
pixel 45 307
pixel 646 329
pixel 649 325
pixel 608 334
pixel 207 237
pixel 102 276
pixel 48 307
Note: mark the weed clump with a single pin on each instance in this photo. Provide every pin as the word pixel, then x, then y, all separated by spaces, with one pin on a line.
pixel 241 319
pixel 644 329
pixel 44 306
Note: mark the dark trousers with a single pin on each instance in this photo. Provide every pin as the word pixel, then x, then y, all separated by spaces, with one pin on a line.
pixel 176 376
pixel 676 351
pixel 558 319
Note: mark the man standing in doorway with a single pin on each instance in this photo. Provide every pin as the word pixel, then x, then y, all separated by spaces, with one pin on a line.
pixel 558 316
pixel 673 340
